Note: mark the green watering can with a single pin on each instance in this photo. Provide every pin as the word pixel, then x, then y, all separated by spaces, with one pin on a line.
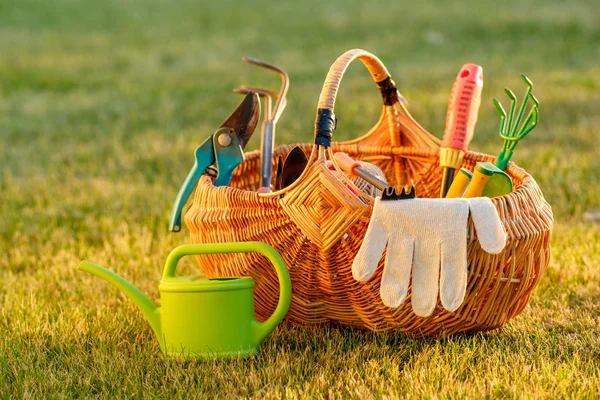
pixel 203 316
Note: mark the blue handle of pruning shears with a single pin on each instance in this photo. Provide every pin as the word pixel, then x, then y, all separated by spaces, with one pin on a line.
pixel 204 157
pixel 224 158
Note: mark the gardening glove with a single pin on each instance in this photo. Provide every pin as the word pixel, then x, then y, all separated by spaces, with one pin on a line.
pixel 430 234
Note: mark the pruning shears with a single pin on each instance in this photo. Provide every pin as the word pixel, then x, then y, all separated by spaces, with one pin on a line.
pixel 220 153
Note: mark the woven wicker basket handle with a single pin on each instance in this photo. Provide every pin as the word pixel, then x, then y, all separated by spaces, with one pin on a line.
pixel 325 122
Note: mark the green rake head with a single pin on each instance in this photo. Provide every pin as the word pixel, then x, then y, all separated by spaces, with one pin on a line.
pixel 511 129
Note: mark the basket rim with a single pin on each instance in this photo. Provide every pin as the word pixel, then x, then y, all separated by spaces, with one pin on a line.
pixel 514 170
pixel 528 183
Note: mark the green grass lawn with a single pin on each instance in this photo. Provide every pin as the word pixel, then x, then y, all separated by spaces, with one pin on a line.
pixel 102 104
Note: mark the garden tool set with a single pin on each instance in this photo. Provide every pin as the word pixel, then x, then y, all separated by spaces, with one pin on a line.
pixel 332 215
pixel 490 180
pixel 222 152
pixel 427 237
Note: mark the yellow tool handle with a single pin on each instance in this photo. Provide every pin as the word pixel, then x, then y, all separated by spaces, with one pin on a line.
pixel 459 184
pixel 481 175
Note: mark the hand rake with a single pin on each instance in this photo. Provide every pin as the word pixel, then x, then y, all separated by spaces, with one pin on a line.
pixel 513 132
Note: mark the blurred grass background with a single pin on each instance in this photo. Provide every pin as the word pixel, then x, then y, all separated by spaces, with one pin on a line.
pixel 102 104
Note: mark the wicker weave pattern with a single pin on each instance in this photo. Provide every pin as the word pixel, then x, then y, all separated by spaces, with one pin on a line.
pixel 318 225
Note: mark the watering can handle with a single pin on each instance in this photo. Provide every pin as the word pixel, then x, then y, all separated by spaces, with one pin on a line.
pixel 261 329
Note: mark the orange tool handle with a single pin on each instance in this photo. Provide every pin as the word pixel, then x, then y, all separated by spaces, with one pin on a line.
pixel 346 163
pixel 354 169
pixel 463 107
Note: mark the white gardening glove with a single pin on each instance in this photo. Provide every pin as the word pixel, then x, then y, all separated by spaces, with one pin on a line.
pixel 430 234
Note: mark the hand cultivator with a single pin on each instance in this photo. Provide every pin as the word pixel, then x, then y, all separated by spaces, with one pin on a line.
pixel 267 139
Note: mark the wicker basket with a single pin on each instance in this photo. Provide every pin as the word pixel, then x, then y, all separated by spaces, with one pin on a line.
pixel 318 225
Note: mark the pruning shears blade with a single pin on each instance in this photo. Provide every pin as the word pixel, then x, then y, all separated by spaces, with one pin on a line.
pixel 244 119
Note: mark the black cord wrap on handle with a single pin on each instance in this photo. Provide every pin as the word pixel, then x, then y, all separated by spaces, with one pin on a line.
pixel 324 126
pixel 388 90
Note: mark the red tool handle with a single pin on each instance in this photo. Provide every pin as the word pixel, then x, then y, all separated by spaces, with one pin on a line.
pixel 463 107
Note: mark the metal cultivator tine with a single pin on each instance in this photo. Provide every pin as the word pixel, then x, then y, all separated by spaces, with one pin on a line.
pixel 285 84
pixel 264 94
pixel 391 193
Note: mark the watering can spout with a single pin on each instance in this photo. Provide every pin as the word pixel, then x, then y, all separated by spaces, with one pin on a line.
pixel 151 312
